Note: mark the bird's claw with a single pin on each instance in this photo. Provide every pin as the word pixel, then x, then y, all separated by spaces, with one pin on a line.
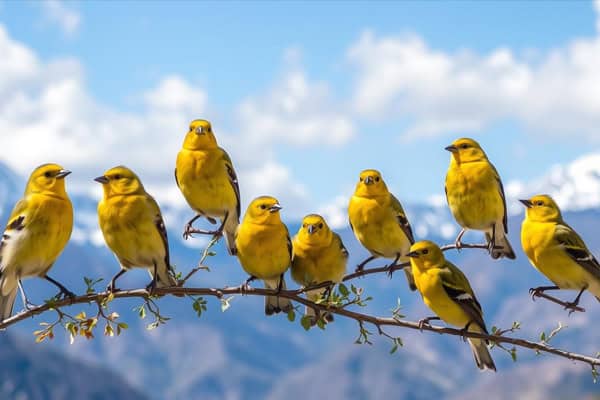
pixel 534 292
pixel 422 323
pixel 390 270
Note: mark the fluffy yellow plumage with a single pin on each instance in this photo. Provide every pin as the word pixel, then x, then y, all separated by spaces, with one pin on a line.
pixel 476 196
pixel 446 291
pixel 318 256
pixel 556 250
pixel 38 230
pixel 133 227
pixel 264 249
pixel 379 222
pixel 205 175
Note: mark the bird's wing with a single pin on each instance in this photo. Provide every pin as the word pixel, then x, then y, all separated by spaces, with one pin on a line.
pixel 232 179
pixel 160 227
pixel 576 249
pixel 289 241
pixel 402 220
pixel 501 190
pixel 176 180
pixel 458 289
pixel 343 249
pixel 16 222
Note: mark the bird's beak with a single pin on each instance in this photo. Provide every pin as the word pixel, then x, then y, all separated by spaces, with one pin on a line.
pixel 311 229
pixel 101 179
pixel 526 203
pixel 451 148
pixel 413 254
pixel 62 173
pixel 199 131
pixel 274 208
pixel 368 180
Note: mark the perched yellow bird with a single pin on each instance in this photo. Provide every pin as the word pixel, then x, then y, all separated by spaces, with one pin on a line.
pixel 379 222
pixel 446 291
pixel 133 227
pixel 556 250
pixel 38 230
pixel 204 173
pixel 264 249
pixel 476 196
pixel 318 256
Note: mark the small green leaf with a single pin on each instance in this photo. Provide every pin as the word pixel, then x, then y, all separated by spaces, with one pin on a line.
pixel 394 348
pixel 321 323
pixel 291 316
pixel 543 337
pixel 306 322
pixel 343 290
pixel 513 354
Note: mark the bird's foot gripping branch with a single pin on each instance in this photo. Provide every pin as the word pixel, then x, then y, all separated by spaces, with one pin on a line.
pixel 345 301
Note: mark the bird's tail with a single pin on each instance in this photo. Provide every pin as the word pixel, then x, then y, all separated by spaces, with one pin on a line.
pixel 8 293
pixel 229 233
pixel 274 304
pixel 165 276
pixel 482 355
pixel 502 247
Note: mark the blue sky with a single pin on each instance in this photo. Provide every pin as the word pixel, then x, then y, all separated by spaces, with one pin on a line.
pixel 302 95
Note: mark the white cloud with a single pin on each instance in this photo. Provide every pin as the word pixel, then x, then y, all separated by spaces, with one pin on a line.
pixel 296 111
pixel 440 92
pixel 276 180
pixel 51 116
pixel 57 12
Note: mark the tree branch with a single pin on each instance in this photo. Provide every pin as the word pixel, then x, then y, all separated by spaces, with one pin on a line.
pixel 361 318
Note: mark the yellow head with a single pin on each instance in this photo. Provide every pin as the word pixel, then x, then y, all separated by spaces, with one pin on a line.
pixel 370 183
pixel 426 254
pixel 47 179
pixel 466 150
pixel 200 136
pixel 315 231
pixel 263 210
pixel 541 208
pixel 120 181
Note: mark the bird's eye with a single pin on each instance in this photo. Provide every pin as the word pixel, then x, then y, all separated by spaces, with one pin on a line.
pixel 48 174
pixel 539 203
pixel 321 225
pixel 377 179
pixel 464 146
pixel 360 179
pixel 263 207
pixel 304 225
pixel 117 177
pixel 425 251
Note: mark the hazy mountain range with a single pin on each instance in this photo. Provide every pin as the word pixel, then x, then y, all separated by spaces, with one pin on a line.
pixel 241 354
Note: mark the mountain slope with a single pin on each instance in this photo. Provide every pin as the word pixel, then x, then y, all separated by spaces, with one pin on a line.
pixel 38 373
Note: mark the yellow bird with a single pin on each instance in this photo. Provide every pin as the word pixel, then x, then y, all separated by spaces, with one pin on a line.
pixel 38 230
pixel 556 250
pixel 204 173
pixel 476 196
pixel 318 256
pixel 379 222
pixel 446 291
pixel 264 249
pixel 133 227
